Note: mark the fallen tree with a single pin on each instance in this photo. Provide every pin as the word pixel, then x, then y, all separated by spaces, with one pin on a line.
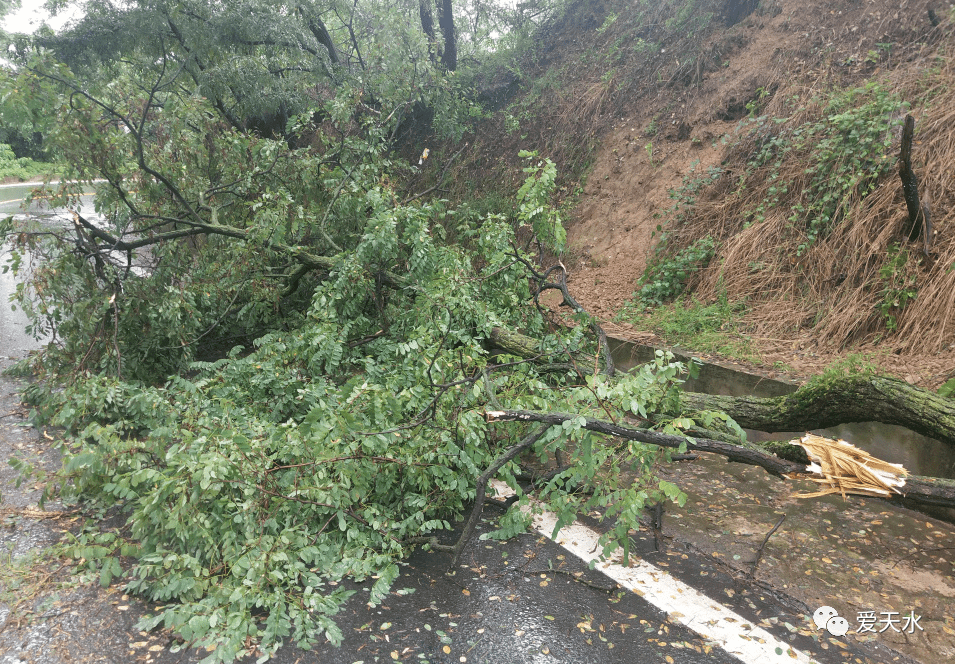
pixel 826 402
pixel 347 412
pixel 821 403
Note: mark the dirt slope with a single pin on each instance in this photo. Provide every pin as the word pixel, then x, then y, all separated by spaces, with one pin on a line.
pixel 659 135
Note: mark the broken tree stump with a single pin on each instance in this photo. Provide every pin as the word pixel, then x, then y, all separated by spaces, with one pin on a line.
pixel 920 222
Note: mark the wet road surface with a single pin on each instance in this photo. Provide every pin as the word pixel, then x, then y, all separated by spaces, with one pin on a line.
pixel 526 600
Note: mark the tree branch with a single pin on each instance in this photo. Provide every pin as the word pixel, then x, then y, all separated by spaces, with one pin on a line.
pixel 923 490
pixel 481 490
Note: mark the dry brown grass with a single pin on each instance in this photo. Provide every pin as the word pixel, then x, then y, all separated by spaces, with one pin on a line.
pixel 834 287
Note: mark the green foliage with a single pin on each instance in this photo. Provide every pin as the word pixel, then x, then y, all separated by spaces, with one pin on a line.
pixel 852 365
pixel 665 278
pixel 318 453
pixel 21 168
pixel 667 273
pixel 855 134
pixel 294 466
pixel 947 389
pixel 690 18
pixel 899 284
pixel 534 206
pixel 608 22
pixel 617 480
pixel 268 359
pixel 306 461
pixel 812 167
pixel 707 328
pixel 846 149
pixel 514 522
pixel 754 104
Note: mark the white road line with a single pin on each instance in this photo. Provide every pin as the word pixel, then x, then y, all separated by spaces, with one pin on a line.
pixel 682 603
pixel 40 183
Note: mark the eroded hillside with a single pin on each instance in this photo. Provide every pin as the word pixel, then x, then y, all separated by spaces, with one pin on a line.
pixel 691 93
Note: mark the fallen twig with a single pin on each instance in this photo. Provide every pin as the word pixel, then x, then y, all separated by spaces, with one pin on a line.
pixel 759 549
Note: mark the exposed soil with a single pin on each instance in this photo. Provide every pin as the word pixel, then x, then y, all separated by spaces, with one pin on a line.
pixel 663 135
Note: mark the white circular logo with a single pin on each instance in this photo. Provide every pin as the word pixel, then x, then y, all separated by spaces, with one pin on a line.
pixel 822 615
pixel 837 626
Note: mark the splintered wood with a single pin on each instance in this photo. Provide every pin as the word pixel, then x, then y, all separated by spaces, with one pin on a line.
pixel 846 469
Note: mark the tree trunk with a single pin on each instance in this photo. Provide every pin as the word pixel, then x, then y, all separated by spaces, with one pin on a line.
pixel 427 26
pixel 824 403
pixel 920 216
pixel 449 56
pixel 820 404
pixel 317 27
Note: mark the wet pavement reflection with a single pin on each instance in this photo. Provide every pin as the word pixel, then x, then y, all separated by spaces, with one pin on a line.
pixel 524 601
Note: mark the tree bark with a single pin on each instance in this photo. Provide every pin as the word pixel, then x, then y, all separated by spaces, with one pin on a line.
pixel 924 490
pixel 449 56
pixel 920 218
pixel 317 27
pixel 427 26
pixel 819 404
pixel 448 51
pixel 824 403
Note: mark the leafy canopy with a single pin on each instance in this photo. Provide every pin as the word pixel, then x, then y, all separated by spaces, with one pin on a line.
pixel 265 353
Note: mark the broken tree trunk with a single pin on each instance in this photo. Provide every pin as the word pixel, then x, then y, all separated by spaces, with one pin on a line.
pixel 920 216
pixel 817 405
pixel 924 490
pixel 825 403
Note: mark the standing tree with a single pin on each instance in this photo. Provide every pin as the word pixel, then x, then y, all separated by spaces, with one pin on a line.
pixel 445 51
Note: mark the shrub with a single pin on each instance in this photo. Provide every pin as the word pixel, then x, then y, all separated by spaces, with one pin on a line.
pixel 666 278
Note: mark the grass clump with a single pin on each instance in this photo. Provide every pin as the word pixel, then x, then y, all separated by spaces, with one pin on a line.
pixel 666 277
pixel 854 364
pixel 900 278
pixel 689 323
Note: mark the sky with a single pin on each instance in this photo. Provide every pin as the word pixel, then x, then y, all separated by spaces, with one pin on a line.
pixel 31 15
